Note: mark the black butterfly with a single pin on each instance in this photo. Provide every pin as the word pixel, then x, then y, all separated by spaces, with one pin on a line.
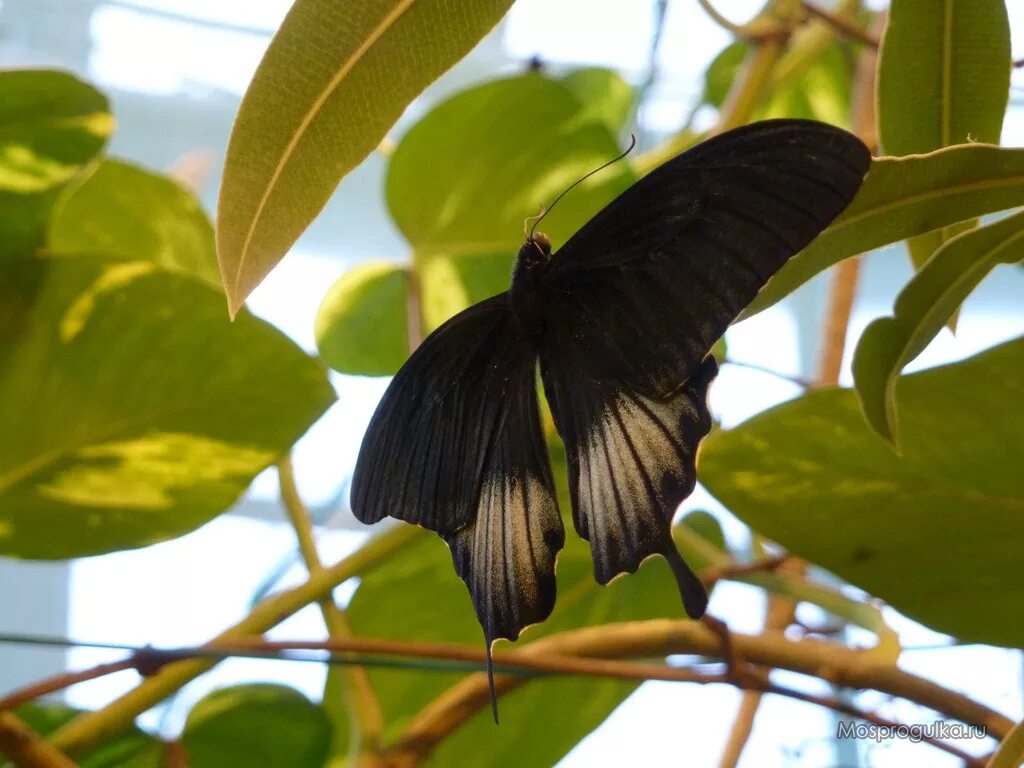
pixel 622 319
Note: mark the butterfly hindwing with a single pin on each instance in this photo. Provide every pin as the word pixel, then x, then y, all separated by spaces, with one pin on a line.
pixel 654 279
pixel 632 460
pixel 456 446
pixel 506 555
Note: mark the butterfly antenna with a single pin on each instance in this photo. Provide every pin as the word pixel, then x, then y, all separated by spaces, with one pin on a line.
pixel 545 212
pixel 490 683
pixel 528 219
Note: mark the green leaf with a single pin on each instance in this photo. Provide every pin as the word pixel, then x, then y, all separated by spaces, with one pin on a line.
pixel 51 125
pixel 821 91
pixel 419 597
pixel 450 284
pixel 131 749
pixel 258 726
pixel 935 532
pixel 943 79
pixel 133 410
pixel 603 94
pixel 705 525
pixel 903 197
pixel 943 74
pixel 721 72
pixel 465 220
pixel 923 306
pixel 362 324
pixel 119 209
pixel 333 81
pixel 448 206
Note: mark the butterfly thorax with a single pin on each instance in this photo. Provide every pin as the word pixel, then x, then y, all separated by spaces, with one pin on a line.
pixel 525 293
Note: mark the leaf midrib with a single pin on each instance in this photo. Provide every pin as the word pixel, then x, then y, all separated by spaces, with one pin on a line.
pixel 908 200
pixel 347 66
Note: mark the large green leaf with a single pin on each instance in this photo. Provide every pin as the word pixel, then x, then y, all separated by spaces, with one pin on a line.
pixel 133 410
pixel 335 78
pixel 935 532
pixel 51 124
pixel 131 749
pixel 120 209
pixel 464 178
pixel 943 79
pixel 603 94
pixel 921 309
pixel 943 74
pixel 907 196
pixel 419 597
pixel 362 324
pixel 258 726
pixel 464 220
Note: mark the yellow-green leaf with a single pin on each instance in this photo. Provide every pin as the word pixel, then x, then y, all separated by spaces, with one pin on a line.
pixel 133 410
pixel 936 531
pixel 51 125
pixel 333 81
pixel 362 324
pixel 603 94
pixel 444 203
pixel 257 725
pixel 903 197
pixel 943 79
pixel 943 74
pixel 920 311
pixel 122 210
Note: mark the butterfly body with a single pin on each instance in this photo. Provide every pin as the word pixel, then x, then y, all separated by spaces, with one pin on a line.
pixel 621 319
pixel 526 292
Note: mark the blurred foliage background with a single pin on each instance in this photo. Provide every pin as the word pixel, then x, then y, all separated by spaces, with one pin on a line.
pixel 134 411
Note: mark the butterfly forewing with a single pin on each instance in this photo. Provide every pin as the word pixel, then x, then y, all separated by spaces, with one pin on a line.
pixel 654 279
pixel 636 299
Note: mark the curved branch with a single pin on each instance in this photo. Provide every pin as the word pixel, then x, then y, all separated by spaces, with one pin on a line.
pixel 662 637
pixel 25 747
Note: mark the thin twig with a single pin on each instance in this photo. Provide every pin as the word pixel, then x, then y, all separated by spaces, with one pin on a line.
pixel 841 24
pixel 25 748
pixel 357 694
pixel 92 728
pixel 720 20
pixel 64 680
pixel 800 382
pixel 758 30
pixel 711 576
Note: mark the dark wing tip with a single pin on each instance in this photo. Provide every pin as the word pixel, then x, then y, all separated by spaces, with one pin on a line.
pixel 691 588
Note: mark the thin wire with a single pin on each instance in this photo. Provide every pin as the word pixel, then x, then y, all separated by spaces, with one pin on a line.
pixel 632 143
pixel 318 657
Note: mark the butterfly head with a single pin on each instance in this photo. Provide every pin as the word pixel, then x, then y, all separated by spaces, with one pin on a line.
pixel 536 251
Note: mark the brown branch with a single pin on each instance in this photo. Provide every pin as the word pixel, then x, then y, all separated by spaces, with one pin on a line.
pixel 598 652
pixel 64 680
pixel 714 574
pixel 841 24
pixel 841 666
pixel 25 748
